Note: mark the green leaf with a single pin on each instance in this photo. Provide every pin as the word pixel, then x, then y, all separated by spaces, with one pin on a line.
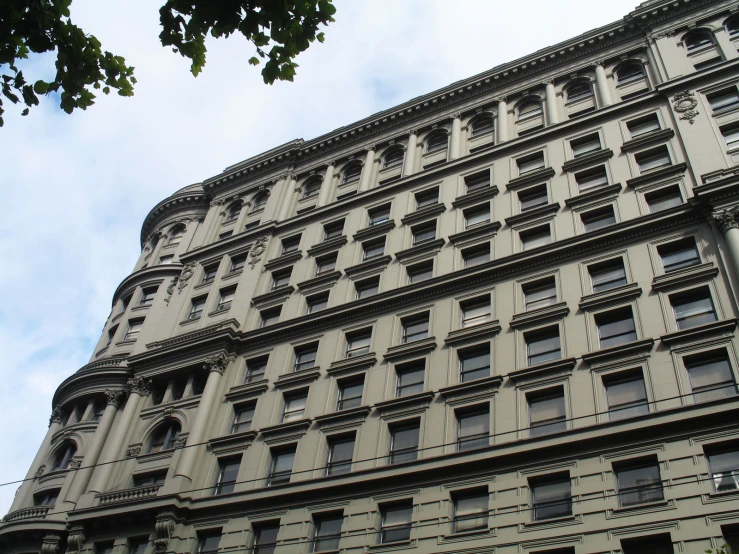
pixel 254 60
pixel 41 87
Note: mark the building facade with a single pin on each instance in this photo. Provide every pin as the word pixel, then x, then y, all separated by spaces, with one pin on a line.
pixel 499 318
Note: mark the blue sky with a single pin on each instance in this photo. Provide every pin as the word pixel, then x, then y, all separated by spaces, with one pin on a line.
pixel 77 188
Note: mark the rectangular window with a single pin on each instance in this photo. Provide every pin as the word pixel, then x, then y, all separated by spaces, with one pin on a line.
pixel 251 225
pixel 679 254
pixel 626 395
pixel 731 136
pixel 317 302
pixel 281 278
pixel 643 125
pixel 270 316
pixel 710 375
pixel 367 288
pixel 693 307
pixel 473 429
pixel 477 181
pixel 597 219
pixel 237 263
pixel 225 300
pixel 547 413
pixel 333 229
pixel 527 164
pixel 533 197
pixel 653 544
pixel 415 327
pixel 663 199
pixel 166 260
pixel 551 497
pixel 410 378
pixel 326 263
pixel 475 311
pixel 731 537
pixel 208 542
pixel 149 479
pixel 533 238
pixel 373 249
pixel 290 244
pixel 97 411
pixel 340 454
pixel 358 343
pixel 350 394
pixel 540 294
pixel 474 363
pixel 652 159
pixel 591 178
pixel 424 232
pixel 197 307
pixel 542 345
pixel 420 272
pixel 378 215
pixel 404 442
pixel 147 296
pixel 294 407
pixel 396 523
pixel 312 188
pixel 476 255
pixel 46 498
pixel 723 100
pixel 607 275
pixel 111 334
pixel 724 468
pixel 265 539
pixel 243 417
pixel 228 470
pixel 584 145
pixel 638 483
pixel 138 546
pixel 615 327
pixel 470 510
pixel 305 357
pixel 427 197
pixel 209 273
pixel 134 328
pixel 225 235
pixel 477 215
pixel 255 369
pixel 327 532
pixel 282 467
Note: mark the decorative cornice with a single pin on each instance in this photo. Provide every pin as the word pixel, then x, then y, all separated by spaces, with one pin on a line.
pixel 56 415
pixel 685 276
pixel 543 174
pixel 475 196
pixel 371 266
pixel 114 397
pixel 323 280
pixel 647 139
pixel 427 212
pixel 727 219
pixel 630 349
pixel 473 333
pixel 421 399
pixel 140 386
pixel 297 378
pixel 410 349
pixel 477 386
pixel 544 213
pixel 420 250
pixel 486 230
pixel 217 363
pixel 272 297
pixel 353 364
pixel 617 295
pixel 596 194
pixel 285 259
pixel 588 159
pixel 351 415
pixel 181 200
pixel 541 315
pixel 547 369
pixel 328 245
pixel 374 231
pixel 684 103
pixel 657 175
pixel 701 332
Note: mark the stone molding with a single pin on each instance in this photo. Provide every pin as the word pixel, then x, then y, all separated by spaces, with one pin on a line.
pixel 140 385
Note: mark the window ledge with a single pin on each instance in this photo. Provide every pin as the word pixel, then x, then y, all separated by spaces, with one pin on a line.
pixel 395 545
pixel 475 196
pixel 548 369
pixel 187 402
pixel 543 213
pixel 408 349
pixel 325 279
pixel 189 321
pixel 590 158
pixel 473 333
pixel 534 317
pixel 685 276
pixel 328 245
pixel 297 377
pixel 616 295
pixel 232 441
pixel 203 285
pixel 695 334
pixel 152 456
pixel 421 399
pixel 594 195
pixel 102 350
pixel 117 317
pixel 477 387
pixel 467 535
pixel 218 312
pixel 629 349
pixel 232 274
pixel 292 428
pixel 373 265
pixel 660 135
pixel 723 495
pixel 125 341
pixel 423 249
pixel 527 178
pixel 272 297
pixel 643 507
pixel 352 415
pixel 374 230
pixel 352 365
pixel 247 390
pixel 717 184
pixel 552 522
pixel 476 232
pixel 427 212
pixel 140 308
pixel 284 259
pixel 654 176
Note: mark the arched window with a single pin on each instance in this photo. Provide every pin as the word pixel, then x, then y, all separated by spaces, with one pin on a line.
pixel 176 234
pixel 482 125
pixel 311 188
pixel 632 71
pixel 578 91
pixel 64 456
pixel 233 212
pixel 164 437
pixel 437 141
pixel 393 158
pixel 351 174
pixel 732 27
pixel 259 200
pixel 529 110
pixel 697 40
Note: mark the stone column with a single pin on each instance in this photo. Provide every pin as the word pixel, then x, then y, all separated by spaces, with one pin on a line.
pixel 38 467
pixel 652 67
pixel 456 141
pixel 502 123
pixel 286 196
pixel 83 474
pixel 728 223
pixel 601 83
pixel 410 154
pixel 364 180
pixel 113 446
pixel 215 366
pixel 288 200
pixel 551 100
pixel 324 196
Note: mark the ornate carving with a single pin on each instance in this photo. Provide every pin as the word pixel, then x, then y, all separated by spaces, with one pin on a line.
pixel 115 397
pixel 170 288
pixel 164 527
pixel 40 470
pixel 133 452
pixel 727 219
pixel 187 271
pixel 500 99
pixel 140 386
pixel 76 538
pixel 180 443
pixel 685 103
pixel 257 250
pixel 167 413
pixel 50 544
pixel 75 464
pixel 218 202
pixel 56 415
pixel 216 363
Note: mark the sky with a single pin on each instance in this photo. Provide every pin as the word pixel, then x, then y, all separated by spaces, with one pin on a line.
pixel 76 188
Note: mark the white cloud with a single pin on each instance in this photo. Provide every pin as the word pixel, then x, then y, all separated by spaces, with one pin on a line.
pixel 77 188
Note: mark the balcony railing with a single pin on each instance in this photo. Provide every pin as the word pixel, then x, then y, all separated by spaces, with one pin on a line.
pixel 129 495
pixel 37 512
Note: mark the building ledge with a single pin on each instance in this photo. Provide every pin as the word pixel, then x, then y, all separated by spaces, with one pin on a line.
pixel 427 212
pixel 657 175
pixel 588 159
pixel 476 232
pixel 475 196
pixel 657 506
pixel 298 427
pixel 409 349
pixel 630 349
pixel 477 386
pixel 352 365
pixel 421 399
pixel 420 250
pixel 247 390
pixel 544 370
pixel 542 315
pixel 473 333
pixel 543 213
pixel 616 295
pixel 232 441
pixel 596 194
pixel 328 245
pixel 552 522
pixel 395 545
pixel 297 378
pixel 701 332
pixel 128 495
pixel 543 174
pixel 718 185
pixel 272 297
pixel 285 259
pixel 34 512
pixel 374 231
pixel 685 276
pixel 344 416
pixel 660 135
pixel 373 265
pixel 323 280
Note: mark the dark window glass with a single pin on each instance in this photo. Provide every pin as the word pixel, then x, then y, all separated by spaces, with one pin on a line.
pixel 579 91
pixel 693 307
pixel 607 275
pixel 724 466
pixel 551 498
pixel 530 163
pixel 473 429
pixel 470 510
pixel 652 544
pixel 340 453
pixel 427 198
pixel 424 232
pixel 373 249
pixel 350 394
pixel 698 40
pixel 352 174
pixel 542 345
pixel 410 378
pixel 584 145
pixel 294 407
pixel 477 181
pixel 243 417
pixel 420 272
pixel 547 412
pixel 436 142
pixel 415 327
pixel 533 238
pixel 305 357
pixel 626 395
pixel 638 483
pixel 147 296
pixel 270 316
pixel 393 158
pixel 228 470
pixel 591 178
pixel 476 255
pixel 652 159
pixel 724 100
pixel 149 479
pixel 378 215
pixel 209 273
pixel 312 188
pixel 333 229
pixel 534 197
pixel 630 72
pixel 710 375
pixel 165 438
pixel 477 215
pixel 482 125
pixel 327 531
pixel 396 523
pixel 255 369
pixel 317 302
pixel 367 288
pixel 643 125
pixel 663 199
pixel 290 244
pixel 529 110
pixel 475 311
pixel 282 467
pixel 325 264
pixel 265 539
pixel 615 327
pixel 474 363
pixel 679 254
pixel 597 219
pixel 358 343
pixel 540 294
pixel 281 278
pixel 404 443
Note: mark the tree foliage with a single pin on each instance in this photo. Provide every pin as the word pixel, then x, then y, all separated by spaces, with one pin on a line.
pixel 278 29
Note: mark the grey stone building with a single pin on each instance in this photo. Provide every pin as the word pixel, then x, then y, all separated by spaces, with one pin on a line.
pixel 499 318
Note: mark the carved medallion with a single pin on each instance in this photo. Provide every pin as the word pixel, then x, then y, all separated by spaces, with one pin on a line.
pixel 684 103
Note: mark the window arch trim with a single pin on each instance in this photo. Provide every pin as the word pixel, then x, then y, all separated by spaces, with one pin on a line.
pixel 578 83
pixel 487 119
pixel 698 47
pixel 621 68
pixel 529 115
pixel 436 135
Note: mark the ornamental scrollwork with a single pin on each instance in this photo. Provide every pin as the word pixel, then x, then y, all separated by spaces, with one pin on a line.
pixel 187 272
pixel 76 538
pixel 140 386
pixel 133 452
pixel 40 470
pixel 684 103
pixel 115 397
pixel 257 250
pixel 727 219
pixel 164 527
pixel 56 415
pixel 170 288
pixel 50 544
pixel 75 464
pixel 216 363
pixel 180 443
